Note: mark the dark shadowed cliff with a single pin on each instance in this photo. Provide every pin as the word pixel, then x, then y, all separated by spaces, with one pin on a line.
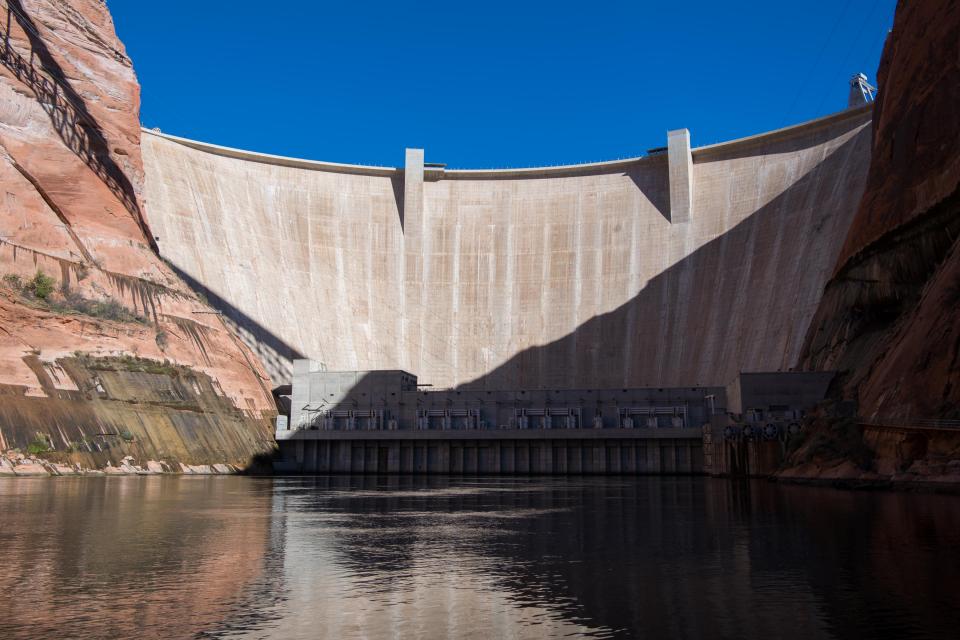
pixel 889 320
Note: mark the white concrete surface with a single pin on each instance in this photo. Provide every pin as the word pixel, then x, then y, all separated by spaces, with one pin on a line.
pixel 544 277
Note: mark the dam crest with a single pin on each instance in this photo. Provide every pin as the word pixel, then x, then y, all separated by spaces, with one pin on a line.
pixel 661 270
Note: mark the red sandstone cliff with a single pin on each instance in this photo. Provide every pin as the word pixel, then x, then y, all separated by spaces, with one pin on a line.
pixel 889 320
pixel 119 357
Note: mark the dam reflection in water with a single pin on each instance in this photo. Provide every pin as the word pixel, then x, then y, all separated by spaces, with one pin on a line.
pixel 460 558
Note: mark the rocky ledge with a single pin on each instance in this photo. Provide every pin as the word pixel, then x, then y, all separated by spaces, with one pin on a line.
pixel 16 464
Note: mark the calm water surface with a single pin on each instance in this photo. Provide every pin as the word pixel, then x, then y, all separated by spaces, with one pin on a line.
pixel 181 557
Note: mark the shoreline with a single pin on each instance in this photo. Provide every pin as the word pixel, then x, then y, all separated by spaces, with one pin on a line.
pixel 900 485
pixel 26 466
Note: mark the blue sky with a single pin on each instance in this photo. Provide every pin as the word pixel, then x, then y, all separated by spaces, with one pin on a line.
pixel 491 84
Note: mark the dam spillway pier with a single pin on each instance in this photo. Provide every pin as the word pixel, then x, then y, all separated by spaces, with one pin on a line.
pixel 503 453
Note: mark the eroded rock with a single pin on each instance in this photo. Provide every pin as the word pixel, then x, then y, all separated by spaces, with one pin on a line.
pixel 72 172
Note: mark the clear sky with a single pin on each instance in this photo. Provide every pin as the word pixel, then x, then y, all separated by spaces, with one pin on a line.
pixel 491 83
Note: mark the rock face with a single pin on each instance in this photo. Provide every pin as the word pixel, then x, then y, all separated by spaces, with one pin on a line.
pixel 104 351
pixel 889 320
pixel 890 316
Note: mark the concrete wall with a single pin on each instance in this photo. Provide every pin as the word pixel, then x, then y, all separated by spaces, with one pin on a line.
pixel 758 390
pixel 390 401
pixel 568 277
pixel 505 456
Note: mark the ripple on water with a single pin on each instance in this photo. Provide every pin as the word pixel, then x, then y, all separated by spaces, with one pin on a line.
pixel 441 558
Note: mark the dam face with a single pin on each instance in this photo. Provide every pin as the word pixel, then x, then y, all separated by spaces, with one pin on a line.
pixel 680 268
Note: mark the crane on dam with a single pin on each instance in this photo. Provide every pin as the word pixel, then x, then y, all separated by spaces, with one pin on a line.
pixel 861 91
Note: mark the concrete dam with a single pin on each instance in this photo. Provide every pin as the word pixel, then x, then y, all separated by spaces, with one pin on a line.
pixel 679 268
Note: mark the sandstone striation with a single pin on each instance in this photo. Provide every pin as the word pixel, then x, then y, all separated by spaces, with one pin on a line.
pixel 104 351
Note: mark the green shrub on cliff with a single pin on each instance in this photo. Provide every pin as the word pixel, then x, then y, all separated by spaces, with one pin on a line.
pixel 129 363
pixel 40 285
pixel 38 447
pixel 108 308
pixel 13 281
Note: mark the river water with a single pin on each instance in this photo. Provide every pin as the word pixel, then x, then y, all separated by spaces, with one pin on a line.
pixel 233 557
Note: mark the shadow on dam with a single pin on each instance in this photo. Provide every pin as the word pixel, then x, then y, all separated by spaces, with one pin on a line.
pixel 654 185
pixel 732 304
pixel 275 353
pixel 742 300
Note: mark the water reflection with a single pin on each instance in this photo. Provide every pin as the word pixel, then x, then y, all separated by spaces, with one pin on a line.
pixel 436 558
pixel 121 557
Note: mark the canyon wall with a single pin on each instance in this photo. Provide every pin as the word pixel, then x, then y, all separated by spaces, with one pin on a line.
pixel 890 316
pixel 566 277
pixel 888 321
pixel 104 351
